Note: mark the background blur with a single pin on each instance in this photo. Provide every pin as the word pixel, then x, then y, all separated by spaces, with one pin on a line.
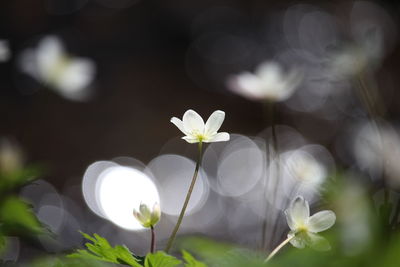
pixel 156 59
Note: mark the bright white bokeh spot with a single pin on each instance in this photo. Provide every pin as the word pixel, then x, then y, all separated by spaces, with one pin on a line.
pixel 119 190
pixel 90 179
pixel 174 174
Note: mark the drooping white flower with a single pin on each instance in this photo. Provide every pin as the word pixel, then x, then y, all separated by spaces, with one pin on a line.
pixel 304 228
pixel 50 64
pixel 269 82
pixel 192 125
pixel 146 216
pixel 5 52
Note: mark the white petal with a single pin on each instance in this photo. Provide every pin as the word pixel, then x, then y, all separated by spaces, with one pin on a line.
pixel 321 221
pixel 289 221
pixel 299 211
pixel 270 72
pixel 49 52
pixel 192 122
pixel 219 137
pixel 190 139
pixel 247 85
pixel 73 81
pixel 178 123
pixel 214 122
pixel 297 242
pixel 317 242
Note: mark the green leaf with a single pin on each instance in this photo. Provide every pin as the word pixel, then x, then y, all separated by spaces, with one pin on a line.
pixel 65 262
pixel 161 259
pixel 191 261
pixel 17 216
pixel 101 250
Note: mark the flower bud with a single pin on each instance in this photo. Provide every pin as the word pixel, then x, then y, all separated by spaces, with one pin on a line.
pixel 146 217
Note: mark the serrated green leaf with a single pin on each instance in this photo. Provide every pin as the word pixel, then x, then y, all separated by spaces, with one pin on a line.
pixel 191 261
pixel 65 262
pixel 101 250
pixel 161 259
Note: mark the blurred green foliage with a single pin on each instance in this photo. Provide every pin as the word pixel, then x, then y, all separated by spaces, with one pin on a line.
pixel 100 249
pixel 16 215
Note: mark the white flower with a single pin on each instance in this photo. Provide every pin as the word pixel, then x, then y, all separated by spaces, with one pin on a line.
pixel 304 228
pixel 353 59
pixel 192 125
pixel 5 52
pixel 51 65
pixel 146 216
pixel 377 150
pixel 305 169
pixel 268 83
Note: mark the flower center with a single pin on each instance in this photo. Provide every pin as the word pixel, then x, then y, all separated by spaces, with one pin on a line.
pixel 302 229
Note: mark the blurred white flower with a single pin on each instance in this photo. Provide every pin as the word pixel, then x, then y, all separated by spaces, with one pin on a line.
pixel 192 125
pixel 50 64
pixel 146 216
pixel 269 82
pixel 305 169
pixel 5 52
pixel 377 150
pixel 353 59
pixel 304 228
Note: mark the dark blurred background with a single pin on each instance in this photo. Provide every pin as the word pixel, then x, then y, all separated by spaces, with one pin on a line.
pixel 149 69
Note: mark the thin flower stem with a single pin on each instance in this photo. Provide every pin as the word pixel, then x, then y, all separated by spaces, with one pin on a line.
pixel 185 204
pixel 275 155
pixel 373 112
pixel 281 245
pixel 270 115
pixel 268 119
pixel 153 240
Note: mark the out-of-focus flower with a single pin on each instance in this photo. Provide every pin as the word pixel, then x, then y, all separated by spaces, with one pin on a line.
pixel 192 125
pixel 304 228
pixel 5 52
pixel 11 157
pixel 305 169
pixel 146 216
pixel 50 64
pixel 354 58
pixel 269 82
pixel 377 150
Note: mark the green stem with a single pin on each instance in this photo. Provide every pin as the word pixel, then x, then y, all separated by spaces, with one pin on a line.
pixel 281 245
pixel 185 204
pixel 153 240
